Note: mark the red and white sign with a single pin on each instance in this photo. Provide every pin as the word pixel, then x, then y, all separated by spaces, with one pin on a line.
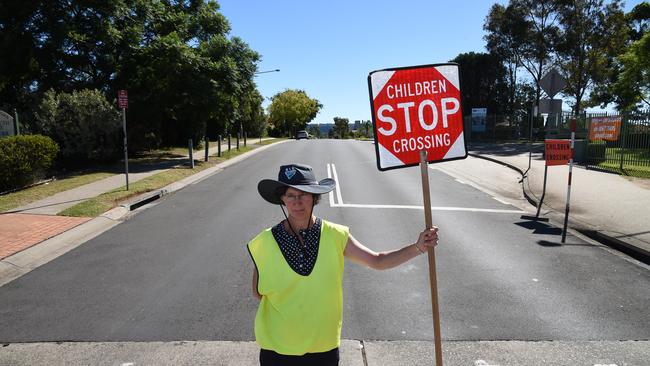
pixel 604 128
pixel 122 99
pixel 558 152
pixel 417 108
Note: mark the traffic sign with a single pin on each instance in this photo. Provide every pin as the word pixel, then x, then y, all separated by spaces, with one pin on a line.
pixel 122 99
pixel 417 108
pixel 552 83
pixel 558 152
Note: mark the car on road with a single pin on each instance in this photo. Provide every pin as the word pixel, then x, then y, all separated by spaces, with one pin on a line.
pixel 302 134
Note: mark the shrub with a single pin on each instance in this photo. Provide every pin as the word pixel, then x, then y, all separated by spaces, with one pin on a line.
pixel 83 123
pixel 596 151
pixel 25 159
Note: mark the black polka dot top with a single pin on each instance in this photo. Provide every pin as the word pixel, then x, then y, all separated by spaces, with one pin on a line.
pixel 300 259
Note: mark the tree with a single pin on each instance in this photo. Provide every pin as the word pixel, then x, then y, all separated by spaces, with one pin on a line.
pixel 633 85
pixel 83 123
pixel 639 21
pixel 341 127
pixel 532 24
pixel 251 116
pixel 483 82
pixel 592 35
pixel 291 110
pixel 183 71
pixel 367 129
pixel 624 81
pixel 507 29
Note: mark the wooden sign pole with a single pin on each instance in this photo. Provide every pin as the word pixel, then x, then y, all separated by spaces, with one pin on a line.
pixel 424 170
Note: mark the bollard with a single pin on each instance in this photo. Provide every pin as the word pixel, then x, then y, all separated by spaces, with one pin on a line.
pixel 228 142
pixel 189 144
pixel 238 133
pixel 207 146
pixel 244 139
pixel 219 146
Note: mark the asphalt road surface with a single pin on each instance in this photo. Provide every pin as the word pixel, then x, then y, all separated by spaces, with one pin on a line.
pixel 179 270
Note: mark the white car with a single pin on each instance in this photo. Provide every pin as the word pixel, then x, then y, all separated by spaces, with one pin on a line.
pixel 302 134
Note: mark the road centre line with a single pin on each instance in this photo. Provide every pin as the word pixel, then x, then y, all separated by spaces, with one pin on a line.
pixel 331 172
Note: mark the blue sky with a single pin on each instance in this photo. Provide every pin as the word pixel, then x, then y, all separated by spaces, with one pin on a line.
pixel 327 48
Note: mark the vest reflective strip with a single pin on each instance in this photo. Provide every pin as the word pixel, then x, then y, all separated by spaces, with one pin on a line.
pixel 300 314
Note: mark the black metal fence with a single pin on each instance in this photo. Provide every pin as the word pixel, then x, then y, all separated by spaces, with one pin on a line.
pixel 499 127
pixel 626 149
pixel 628 153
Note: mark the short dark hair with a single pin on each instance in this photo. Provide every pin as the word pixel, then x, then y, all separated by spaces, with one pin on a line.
pixel 282 190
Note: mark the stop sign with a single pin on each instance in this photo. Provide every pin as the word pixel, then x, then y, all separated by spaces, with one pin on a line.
pixel 417 108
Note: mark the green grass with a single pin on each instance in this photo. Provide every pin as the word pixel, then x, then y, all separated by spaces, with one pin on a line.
pixel 97 206
pixel 636 162
pixel 32 194
pixel 269 142
pixel 106 201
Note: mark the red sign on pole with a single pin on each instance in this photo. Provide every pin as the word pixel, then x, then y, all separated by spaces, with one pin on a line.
pixel 558 152
pixel 417 108
pixel 122 99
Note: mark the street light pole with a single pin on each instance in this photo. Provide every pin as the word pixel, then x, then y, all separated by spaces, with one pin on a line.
pixel 257 73
pixel 264 72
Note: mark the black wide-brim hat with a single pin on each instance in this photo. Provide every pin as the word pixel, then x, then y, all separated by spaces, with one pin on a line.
pixel 300 177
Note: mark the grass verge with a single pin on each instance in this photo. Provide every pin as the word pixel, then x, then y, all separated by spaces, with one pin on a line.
pixel 142 161
pixel 26 196
pixel 106 201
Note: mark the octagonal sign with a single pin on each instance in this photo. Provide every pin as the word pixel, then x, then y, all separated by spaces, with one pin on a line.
pixel 417 108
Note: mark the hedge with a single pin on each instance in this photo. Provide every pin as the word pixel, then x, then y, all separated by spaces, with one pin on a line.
pixel 25 159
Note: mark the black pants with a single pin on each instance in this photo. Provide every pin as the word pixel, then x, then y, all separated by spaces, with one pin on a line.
pixel 271 358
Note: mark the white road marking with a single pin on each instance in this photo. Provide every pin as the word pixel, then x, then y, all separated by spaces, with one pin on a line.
pixel 338 185
pixel 459 181
pixel 331 173
pixel 331 194
pixel 500 200
pixel 482 363
pixel 434 208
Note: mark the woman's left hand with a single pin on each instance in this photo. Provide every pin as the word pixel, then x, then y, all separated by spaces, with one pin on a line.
pixel 428 239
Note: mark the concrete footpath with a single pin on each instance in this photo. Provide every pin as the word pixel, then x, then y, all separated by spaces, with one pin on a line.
pixel 352 353
pixel 608 207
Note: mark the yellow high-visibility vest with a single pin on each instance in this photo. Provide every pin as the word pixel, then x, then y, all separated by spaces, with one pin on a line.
pixel 300 314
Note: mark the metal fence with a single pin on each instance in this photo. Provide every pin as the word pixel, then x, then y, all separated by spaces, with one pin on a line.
pixel 498 127
pixel 628 152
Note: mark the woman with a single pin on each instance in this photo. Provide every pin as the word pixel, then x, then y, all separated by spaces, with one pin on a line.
pixel 299 272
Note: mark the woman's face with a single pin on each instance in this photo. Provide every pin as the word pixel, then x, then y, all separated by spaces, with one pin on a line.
pixel 298 203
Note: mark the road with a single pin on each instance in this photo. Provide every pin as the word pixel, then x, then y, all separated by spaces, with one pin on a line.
pixel 179 270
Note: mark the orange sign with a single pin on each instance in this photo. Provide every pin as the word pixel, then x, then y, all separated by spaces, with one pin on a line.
pixel 604 128
pixel 558 152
